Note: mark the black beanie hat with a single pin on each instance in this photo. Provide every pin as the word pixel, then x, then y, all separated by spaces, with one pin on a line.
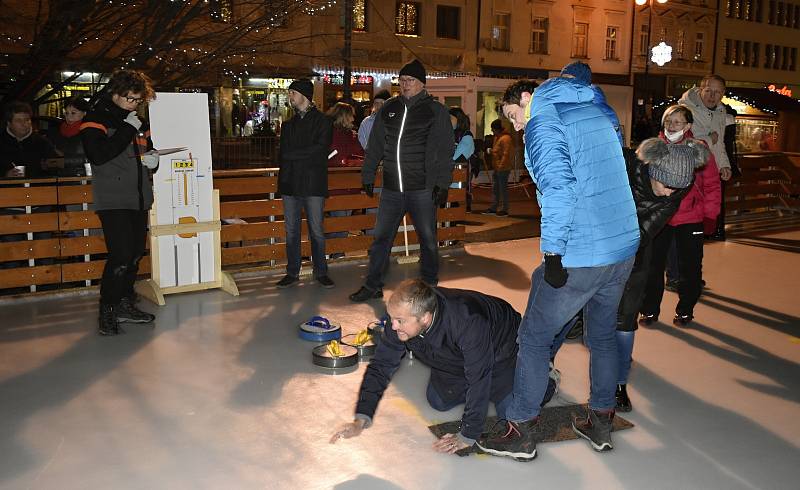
pixel 414 69
pixel 304 86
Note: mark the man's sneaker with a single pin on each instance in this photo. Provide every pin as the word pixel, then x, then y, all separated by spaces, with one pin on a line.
pixel 623 402
pixel 287 281
pixel 682 320
pixel 325 282
pixel 502 213
pixel 128 313
pixel 516 440
pixel 365 294
pixel 489 211
pixel 645 320
pixel 596 429
pixel 107 321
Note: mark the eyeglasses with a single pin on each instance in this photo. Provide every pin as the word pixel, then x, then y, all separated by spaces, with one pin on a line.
pixel 134 100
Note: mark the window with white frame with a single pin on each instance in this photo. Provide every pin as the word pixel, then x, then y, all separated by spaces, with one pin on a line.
pixel 680 45
pixel 699 45
pixel 644 40
pixel 539 28
pixel 580 40
pixel 500 32
pixel 612 40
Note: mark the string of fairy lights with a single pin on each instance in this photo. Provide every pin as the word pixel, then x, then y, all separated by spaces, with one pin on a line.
pixel 236 62
pixel 738 98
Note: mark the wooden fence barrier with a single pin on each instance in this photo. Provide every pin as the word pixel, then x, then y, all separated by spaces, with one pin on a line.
pixel 768 181
pixel 50 239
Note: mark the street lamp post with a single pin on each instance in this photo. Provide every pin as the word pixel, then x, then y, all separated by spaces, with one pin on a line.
pixel 649 37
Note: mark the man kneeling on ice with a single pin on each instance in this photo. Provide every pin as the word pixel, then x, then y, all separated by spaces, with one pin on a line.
pixel 469 340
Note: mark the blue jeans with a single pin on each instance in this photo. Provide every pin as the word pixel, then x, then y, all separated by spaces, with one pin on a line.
pixel 595 289
pixel 500 188
pixel 391 209
pixel 292 207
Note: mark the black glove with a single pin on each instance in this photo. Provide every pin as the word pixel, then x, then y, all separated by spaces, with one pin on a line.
pixel 554 272
pixel 368 189
pixel 439 195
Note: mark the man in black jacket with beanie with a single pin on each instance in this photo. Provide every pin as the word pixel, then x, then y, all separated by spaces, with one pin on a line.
pixel 413 137
pixel 303 180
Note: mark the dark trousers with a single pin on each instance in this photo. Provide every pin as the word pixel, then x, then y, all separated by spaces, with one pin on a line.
pixel 391 209
pixel 292 208
pixel 125 232
pixel 689 244
pixel 500 190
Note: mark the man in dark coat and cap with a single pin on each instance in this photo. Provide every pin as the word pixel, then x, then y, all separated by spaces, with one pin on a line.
pixel 303 180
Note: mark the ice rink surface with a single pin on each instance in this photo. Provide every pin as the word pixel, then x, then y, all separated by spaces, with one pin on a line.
pixel 222 394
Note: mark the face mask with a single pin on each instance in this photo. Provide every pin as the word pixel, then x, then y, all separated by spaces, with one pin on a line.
pixel 674 137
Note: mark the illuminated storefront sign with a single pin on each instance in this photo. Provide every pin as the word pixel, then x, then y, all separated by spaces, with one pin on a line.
pixel 356 79
pixel 783 91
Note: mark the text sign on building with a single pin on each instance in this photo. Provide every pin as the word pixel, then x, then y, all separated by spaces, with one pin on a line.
pixel 783 91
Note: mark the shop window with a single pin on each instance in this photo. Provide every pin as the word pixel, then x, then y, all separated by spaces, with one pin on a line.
pixel 407 18
pixel 448 22
pixel 756 53
pixel 612 37
pixel 580 40
pixel 644 40
pixel 360 15
pixel 680 46
pixel 699 45
pixel 500 32
pixel 539 28
pixel 221 11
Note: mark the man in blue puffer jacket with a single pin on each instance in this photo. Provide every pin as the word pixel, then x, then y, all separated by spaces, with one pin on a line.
pixel 589 237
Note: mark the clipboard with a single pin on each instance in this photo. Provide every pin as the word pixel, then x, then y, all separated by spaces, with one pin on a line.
pixel 166 151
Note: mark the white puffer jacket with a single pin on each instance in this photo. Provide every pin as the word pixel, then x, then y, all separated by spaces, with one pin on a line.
pixel 707 121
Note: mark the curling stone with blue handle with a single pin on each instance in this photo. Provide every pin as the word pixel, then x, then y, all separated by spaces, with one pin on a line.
pixel 320 329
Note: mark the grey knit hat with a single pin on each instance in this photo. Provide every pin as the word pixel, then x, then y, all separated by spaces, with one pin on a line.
pixel 673 165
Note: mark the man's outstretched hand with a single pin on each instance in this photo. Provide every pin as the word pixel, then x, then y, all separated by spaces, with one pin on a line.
pixel 449 444
pixel 349 430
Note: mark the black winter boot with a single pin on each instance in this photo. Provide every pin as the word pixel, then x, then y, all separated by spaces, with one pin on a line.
pixel 107 321
pixel 127 312
pixel 623 402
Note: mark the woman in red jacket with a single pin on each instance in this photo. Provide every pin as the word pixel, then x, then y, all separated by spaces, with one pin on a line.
pixel 701 205
pixel 345 140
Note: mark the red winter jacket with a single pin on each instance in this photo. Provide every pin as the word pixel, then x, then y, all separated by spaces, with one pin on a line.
pixel 350 154
pixel 705 197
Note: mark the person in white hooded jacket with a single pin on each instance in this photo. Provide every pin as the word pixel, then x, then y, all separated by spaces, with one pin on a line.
pixel 709 114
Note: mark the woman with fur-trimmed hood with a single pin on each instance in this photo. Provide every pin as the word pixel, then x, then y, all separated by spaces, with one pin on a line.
pixel 661 177
pixel 700 206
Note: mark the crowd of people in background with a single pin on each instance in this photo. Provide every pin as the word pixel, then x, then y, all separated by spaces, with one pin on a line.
pixel 613 220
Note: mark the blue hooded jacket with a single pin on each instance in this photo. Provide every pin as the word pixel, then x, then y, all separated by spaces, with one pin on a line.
pixel 588 213
pixel 600 101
